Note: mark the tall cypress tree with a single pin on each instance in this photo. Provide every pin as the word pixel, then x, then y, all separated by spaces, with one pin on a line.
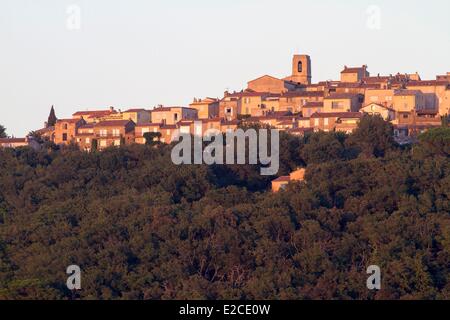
pixel 51 118
pixel 3 132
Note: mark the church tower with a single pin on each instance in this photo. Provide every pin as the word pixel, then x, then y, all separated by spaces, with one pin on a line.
pixel 301 69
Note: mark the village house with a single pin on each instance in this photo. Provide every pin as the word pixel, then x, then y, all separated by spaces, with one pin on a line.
pixel 354 74
pixel 137 115
pixel 282 182
pixel 207 108
pixel 375 109
pixel 408 100
pixel 311 107
pixel 271 85
pixel 85 135
pixel 94 116
pixel 172 115
pixel 169 133
pixel 296 100
pixel 67 129
pixel 335 121
pixel 114 133
pixel 141 129
pixel 18 142
pixel 436 94
pixel 383 97
pixel 343 102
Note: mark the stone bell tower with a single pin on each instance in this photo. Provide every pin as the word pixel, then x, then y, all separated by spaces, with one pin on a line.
pixel 301 69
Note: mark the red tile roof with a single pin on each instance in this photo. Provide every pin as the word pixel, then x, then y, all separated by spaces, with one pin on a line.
pixel 337 115
pixel 149 125
pixel 313 104
pixel 13 140
pixel 94 113
pixel 283 179
pixel 113 123
pixel 291 94
pixel 135 110
pixel 354 70
pixel 335 96
pixel 76 120
pixel 426 83
pixel 407 92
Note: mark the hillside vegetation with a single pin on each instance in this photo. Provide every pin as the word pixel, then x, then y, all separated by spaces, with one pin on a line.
pixel 142 228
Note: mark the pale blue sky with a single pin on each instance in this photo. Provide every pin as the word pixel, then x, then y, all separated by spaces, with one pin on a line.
pixel 140 53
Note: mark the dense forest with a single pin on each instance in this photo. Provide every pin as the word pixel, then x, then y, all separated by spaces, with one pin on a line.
pixel 142 228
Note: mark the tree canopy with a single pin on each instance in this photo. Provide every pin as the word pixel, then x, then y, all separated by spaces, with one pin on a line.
pixel 140 227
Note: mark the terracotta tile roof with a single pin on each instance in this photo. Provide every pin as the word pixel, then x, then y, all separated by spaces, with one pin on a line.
pixel 353 69
pixel 166 109
pixel 87 126
pixel 291 94
pixel 247 94
pixel 185 123
pixel 313 104
pixel 337 115
pixel 143 125
pixel 426 83
pixel 45 130
pixel 407 92
pixel 283 179
pixel 356 85
pixel 13 140
pixel 169 127
pixel 113 123
pixel 76 120
pixel 135 110
pixel 285 122
pixel 94 113
pixel 335 96
pixel 230 123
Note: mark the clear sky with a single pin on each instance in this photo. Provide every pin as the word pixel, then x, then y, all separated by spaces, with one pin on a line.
pixel 140 53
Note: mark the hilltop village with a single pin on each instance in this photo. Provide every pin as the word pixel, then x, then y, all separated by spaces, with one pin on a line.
pixel 293 104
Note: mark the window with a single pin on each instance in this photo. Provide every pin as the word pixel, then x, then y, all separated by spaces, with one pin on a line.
pixel 229 110
pixel 103 133
pixel 337 105
pixel 64 137
pixel 145 130
pixel 88 140
pixel 103 143
pixel 116 132
pixel 326 121
pixel 316 122
pixel 65 127
pixel 300 66
pixel 175 117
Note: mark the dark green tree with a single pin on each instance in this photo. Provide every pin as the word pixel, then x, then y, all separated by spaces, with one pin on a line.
pixel 94 146
pixel 434 142
pixel 152 138
pixel 3 132
pixel 323 147
pixel 373 137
